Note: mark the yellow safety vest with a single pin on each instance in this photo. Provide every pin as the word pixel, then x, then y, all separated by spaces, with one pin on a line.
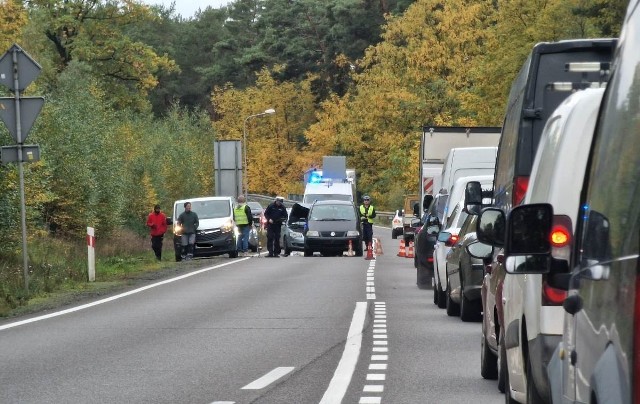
pixel 240 216
pixel 365 212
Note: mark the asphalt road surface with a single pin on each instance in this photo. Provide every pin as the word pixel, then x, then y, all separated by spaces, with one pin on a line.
pixel 252 330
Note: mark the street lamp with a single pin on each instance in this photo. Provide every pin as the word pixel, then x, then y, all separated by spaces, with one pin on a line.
pixel 266 112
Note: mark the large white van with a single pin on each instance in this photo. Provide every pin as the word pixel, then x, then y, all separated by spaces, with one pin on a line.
pixel 533 313
pixel 216 232
pixel 465 162
pixel 328 190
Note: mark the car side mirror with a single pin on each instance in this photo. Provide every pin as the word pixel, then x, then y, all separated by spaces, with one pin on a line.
pixel 479 250
pixel 490 228
pixel 528 229
pixel 444 236
pixel 473 198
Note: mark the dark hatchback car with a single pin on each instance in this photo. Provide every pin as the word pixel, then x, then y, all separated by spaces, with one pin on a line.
pixel 256 211
pixel 465 273
pixel 332 226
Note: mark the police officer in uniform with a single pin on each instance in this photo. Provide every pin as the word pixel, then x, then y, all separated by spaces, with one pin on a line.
pixel 367 214
pixel 275 214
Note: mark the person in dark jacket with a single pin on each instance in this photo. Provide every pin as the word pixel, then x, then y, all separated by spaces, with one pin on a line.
pixel 276 214
pixel 188 220
pixel 243 218
pixel 157 223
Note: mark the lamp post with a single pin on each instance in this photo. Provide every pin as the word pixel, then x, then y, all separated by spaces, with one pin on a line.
pixel 269 111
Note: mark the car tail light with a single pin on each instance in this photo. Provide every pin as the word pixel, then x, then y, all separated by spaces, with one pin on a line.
pixel 561 237
pixel 552 296
pixel 430 259
pixel 520 185
pixel 635 379
pixel 453 239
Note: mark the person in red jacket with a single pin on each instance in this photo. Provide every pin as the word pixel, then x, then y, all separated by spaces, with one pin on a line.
pixel 157 222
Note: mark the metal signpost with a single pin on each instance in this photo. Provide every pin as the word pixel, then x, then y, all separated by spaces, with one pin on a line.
pixel 17 71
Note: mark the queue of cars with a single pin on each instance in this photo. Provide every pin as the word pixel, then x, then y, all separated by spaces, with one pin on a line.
pixel 558 247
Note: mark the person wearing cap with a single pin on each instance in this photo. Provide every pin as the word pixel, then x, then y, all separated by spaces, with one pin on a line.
pixel 367 214
pixel 157 223
pixel 275 214
pixel 243 218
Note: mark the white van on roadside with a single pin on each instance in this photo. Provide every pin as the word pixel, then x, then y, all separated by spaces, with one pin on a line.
pixel 533 313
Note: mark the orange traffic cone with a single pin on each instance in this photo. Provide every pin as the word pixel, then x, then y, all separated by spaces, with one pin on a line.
pixel 410 254
pixel 350 252
pixel 378 247
pixel 369 252
pixel 401 252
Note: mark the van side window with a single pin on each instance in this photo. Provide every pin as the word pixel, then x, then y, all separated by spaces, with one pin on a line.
pixel 611 213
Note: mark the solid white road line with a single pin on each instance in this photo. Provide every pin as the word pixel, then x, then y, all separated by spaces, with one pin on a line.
pixel 116 297
pixel 344 372
pixel 269 378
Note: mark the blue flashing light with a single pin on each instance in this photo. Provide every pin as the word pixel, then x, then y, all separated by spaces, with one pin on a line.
pixel 315 178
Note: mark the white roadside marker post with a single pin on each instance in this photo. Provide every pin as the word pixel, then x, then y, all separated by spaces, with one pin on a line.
pixel 91 248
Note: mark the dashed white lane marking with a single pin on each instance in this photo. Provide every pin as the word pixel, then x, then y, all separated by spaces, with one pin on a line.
pixel 370 400
pixel 269 378
pixel 378 366
pixel 342 376
pixel 223 402
pixel 373 388
pixel 376 376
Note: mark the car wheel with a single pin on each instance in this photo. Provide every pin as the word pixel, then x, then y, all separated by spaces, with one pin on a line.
pixel 453 309
pixel 233 254
pixel 435 290
pixel 507 389
pixel 442 295
pixel 308 252
pixel 533 396
pixel 423 279
pixel 468 310
pixel 178 257
pixel 359 251
pixel 254 248
pixel 502 367
pixel 488 361
pixel 394 234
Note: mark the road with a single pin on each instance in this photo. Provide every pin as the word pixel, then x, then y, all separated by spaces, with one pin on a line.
pixel 253 330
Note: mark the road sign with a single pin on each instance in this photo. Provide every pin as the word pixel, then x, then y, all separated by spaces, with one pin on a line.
pixel 28 71
pixel 29 109
pixel 30 153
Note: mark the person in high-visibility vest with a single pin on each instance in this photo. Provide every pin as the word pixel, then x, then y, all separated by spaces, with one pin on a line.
pixel 243 218
pixel 367 214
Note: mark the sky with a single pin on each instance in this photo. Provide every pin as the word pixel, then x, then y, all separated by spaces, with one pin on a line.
pixel 187 8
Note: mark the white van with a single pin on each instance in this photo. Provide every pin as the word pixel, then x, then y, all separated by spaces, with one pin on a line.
pixel 533 313
pixel 216 232
pixel 328 190
pixel 465 162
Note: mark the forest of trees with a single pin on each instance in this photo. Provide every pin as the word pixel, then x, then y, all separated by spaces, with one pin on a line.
pixel 136 95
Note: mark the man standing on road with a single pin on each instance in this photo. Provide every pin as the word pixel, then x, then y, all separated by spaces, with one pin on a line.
pixel 367 214
pixel 188 220
pixel 157 223
pixel 275 214
pixel 243 218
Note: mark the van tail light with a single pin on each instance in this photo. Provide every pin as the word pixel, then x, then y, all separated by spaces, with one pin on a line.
pixel 430 259
pixel 520 185
pixel 635 379
pixel 453 239
pixel 552 296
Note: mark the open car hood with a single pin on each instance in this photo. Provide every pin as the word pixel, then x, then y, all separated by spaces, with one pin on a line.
pixel 299 213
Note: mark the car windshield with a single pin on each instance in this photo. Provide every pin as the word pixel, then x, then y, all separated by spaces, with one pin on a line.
pixel 310 198
pixel 333 212
pixel 211 209
pixel 254 205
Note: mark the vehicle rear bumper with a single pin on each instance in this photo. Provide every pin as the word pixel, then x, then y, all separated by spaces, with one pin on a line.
pixel 221 244
pixel 331 243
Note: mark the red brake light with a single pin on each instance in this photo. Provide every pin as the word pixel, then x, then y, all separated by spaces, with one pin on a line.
pixel 453 239
pixel 552 296
pixel 520 185
pixel 560 236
